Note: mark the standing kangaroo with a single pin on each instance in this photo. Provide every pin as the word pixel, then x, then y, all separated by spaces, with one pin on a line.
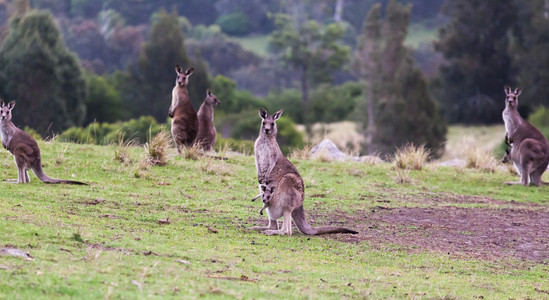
pixel 287 200
pixel 206 131
pixel 24 149
pixel 184 118
pixel 530 149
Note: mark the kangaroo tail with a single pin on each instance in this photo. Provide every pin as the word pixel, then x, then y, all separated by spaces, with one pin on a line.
pixel 298 215
pixel 46 179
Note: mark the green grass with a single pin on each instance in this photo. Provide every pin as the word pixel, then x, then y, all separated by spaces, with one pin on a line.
pixel 105 241
pixel 257 44
pixel 419 34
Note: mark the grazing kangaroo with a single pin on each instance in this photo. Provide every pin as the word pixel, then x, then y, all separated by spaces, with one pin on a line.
pixel 206 131
pixel 530 150
pixel 287 199
pixel 184 118
pixel 24 149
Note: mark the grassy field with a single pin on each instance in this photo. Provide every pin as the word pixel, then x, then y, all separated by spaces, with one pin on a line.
pixel 180 231
pixel 257 44
pixel 417 35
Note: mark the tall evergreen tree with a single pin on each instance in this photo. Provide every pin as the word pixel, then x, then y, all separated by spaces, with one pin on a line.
pixel 530 51
pixel 397 108
pixel 147 88
pixel 42 75
pixel 475 44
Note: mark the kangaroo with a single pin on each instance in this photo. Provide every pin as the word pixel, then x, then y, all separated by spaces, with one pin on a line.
pixel 24 149
pixel 184 118
pixel 287 199
pixel 267 191
pixel 206 131
pixel 530 150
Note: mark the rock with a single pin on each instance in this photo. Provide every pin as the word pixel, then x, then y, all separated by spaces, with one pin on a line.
pixel 327 151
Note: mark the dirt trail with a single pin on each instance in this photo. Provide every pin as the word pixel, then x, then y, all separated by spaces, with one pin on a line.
pixel 511 230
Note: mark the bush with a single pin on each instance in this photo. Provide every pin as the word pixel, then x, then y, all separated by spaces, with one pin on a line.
pixel 108 133
pixel 290 101
pixel 334 103
pixel 246 126
pixel 540 119
pixel 234 24
pixel 233 100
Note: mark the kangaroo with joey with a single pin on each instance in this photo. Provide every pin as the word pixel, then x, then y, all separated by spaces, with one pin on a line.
pixel 276 170
pixel 207 134
pixel 530 149
pixel 24 149
pixel 184 117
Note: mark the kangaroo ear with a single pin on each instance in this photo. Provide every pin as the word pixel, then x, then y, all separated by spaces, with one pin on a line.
pixel 507 89
pixel 11 105
pixel 518 91
pixel 277 114
pixel 263 113
pixel 208 92
pixel 178 69
pixel 189 71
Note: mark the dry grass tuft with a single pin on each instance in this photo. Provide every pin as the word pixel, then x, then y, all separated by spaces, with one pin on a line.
pixel 411 157
pixel 301 154
pixel 139 171
pixel 194 152
pixel 157 148
pixel 122 151
pixel 211 166
pixel 478 158
pixel 372 160
pixel 402 176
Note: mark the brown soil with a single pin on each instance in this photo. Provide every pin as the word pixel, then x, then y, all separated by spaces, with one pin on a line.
pixel 502 231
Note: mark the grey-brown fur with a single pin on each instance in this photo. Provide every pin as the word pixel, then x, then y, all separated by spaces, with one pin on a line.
pixel 530 150
pixel 287 200
pixel 184 117
pixel 267 191
pixel 207 134
pixel 24 149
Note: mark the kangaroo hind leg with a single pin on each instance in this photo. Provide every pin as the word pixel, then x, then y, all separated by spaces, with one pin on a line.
pixel 286 226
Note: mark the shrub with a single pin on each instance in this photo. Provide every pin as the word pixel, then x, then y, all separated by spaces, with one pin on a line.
pixel 108 133
pixel 234 24
pixel 246 126
pixel 242 146
pixel 156 148
pixel 411 157
pixel 478 158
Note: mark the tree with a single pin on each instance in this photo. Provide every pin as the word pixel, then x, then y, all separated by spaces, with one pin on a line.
pixel 311 49
pixel 397 108
pixel 530 53
pixel 474 44
pixel 42 75
pixel 146 90
pixel 103 102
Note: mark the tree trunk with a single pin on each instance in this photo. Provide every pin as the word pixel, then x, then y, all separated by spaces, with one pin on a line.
pixel 304 92
pixel 338 11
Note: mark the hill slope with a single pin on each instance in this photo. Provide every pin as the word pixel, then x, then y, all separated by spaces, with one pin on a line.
pixel 180 231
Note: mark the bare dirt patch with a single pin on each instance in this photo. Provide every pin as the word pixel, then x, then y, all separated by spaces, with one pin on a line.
pixel 512 230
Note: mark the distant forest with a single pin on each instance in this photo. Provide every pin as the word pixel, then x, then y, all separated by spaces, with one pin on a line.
pixel 104 61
